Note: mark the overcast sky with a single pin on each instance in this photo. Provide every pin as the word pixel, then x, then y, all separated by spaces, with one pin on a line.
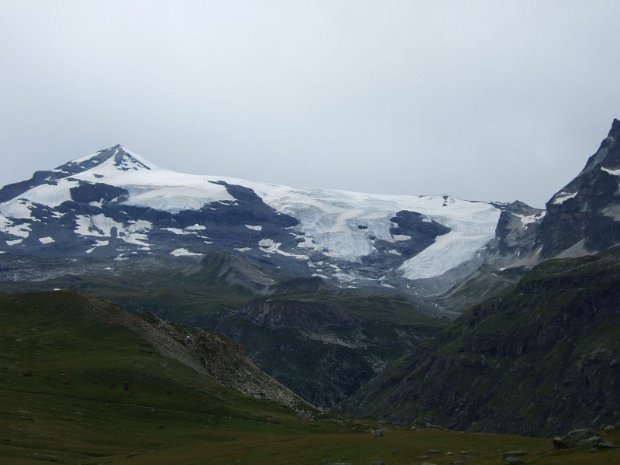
pixel 484 100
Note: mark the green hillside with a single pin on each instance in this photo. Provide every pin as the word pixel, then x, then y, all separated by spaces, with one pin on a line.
pixel 79 385
pixel 540 359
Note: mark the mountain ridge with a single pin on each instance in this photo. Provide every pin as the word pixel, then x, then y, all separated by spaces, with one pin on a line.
pixel 114 200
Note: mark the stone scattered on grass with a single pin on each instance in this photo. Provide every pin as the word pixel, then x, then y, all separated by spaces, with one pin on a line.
pixel 584 437
pixel 513 461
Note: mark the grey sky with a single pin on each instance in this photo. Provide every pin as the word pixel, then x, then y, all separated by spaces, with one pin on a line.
pixel 489 100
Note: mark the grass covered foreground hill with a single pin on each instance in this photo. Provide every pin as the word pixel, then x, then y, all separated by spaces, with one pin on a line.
pixel 542 358
pixel 82 382
pixel 321 342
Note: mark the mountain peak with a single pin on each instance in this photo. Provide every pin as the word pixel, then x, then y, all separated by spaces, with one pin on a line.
pixel 126 160
pixel 116 156
pixel 615 129
pixel 608 153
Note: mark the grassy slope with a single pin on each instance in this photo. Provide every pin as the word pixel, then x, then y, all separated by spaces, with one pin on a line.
pixel 63 369
pixel 538 359
pixel 63 375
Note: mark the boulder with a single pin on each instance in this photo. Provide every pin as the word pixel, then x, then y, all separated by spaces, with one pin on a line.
pixel 577 438
pixel 513 461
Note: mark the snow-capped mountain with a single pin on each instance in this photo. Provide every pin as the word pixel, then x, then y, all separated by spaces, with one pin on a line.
pixel 114 206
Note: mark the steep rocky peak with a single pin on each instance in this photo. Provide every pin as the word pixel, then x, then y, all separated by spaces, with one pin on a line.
pixel 608 154
pixel 118 156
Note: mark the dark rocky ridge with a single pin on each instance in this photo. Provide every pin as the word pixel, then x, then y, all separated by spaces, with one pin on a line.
pixel 324 346
pixel 541 359
pixel 588 221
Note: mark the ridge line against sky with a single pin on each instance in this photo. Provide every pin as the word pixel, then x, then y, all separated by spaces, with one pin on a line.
pixel 481 100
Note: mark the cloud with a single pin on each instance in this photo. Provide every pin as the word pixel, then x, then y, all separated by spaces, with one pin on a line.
pixel 479 99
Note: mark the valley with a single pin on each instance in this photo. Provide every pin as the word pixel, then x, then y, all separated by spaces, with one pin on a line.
pixel 151 316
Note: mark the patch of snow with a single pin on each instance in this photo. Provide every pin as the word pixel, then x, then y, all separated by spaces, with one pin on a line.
pixel 447 252
pixel 401 237
pixel 329 219
pixel 196 227
pixel 254 227
pixel 178 231
pixel 612 172
pixel 243 249
pixel 51 195
pixel 394 252
pixel 562 197
pixel 318 275
pixel 19 208
pixel 95 225
pixel 102 226
pixel 389 286
pixel 20 230
pixel 46 240
pixel 77 161
pixel 269 246
pixel 528 219
pixel 98 244
pixel 15 242
pixel 185 253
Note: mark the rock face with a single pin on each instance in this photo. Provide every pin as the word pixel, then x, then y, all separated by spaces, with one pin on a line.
pixel 584 216
pixel 324 346
pixel 515 236
pixel 213 356
pixel 538 360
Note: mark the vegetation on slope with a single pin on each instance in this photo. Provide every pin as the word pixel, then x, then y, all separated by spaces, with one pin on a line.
pixel 540 359
pixel 78 386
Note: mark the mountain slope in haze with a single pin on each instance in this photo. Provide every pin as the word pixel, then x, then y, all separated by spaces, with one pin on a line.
pixel 542 358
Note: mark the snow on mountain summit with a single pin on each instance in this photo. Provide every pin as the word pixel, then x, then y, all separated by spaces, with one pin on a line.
pixel 117 157
pixel 349 234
